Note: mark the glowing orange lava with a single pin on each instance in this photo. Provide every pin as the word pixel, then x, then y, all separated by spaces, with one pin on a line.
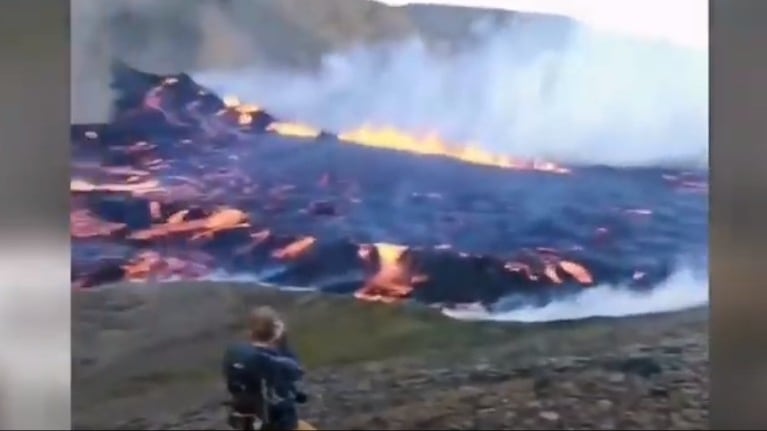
pixel 295 249
pixel 577 271
pixel 432 144
pixel 234 103
pixel 391 138
pixel 293 129
pixel 394 279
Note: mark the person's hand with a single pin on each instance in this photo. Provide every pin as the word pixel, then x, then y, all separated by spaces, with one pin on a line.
pixel 279 332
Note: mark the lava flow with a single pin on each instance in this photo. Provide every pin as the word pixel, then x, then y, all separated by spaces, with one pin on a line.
pixel 182 184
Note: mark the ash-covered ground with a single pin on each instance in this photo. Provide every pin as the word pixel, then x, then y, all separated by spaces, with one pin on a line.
pixel 147 356
pixel 187 184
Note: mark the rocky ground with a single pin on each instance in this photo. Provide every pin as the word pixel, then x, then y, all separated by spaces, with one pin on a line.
pixel 146 357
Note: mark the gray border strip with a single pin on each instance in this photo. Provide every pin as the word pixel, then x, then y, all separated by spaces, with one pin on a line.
pixel 738 149
pixel 35 364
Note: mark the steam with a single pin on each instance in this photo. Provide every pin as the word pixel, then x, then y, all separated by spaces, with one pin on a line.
pixel 161 37
pixel 619 91
pixel 599 97
pixel 685 289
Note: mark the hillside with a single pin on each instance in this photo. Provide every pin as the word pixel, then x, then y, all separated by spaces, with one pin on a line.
pixel 183 35
pixel 146 357
pixel 178 35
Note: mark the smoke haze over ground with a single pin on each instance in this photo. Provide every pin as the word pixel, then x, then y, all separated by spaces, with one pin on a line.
pixel 594 98
pixel 182 35
pixel 545 89
pixel 685 289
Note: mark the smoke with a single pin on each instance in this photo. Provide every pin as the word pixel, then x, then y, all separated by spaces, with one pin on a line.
pixel 597 98
pixel 601 96
pixel 683 290
pixel 162 37
pixel 89 83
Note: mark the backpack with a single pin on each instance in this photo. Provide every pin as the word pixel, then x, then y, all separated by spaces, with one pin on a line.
pixel 251 392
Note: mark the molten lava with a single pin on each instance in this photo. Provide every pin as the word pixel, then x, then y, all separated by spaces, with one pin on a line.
pixel 577 271
pixel 233 102
pixel 431 144
pixel 387 137
pixel 293 129
pixel 394 278
pixel 295 249
pixel 181 184
pixel 222 219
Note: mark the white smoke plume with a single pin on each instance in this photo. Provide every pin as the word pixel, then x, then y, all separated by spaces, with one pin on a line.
pixel 601 97
pixel 685 289
pixel 598 98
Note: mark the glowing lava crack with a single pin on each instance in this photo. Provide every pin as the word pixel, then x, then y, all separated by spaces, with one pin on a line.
pixel 182 184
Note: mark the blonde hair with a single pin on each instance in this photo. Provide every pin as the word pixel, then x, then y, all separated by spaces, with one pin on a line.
pixel 265 324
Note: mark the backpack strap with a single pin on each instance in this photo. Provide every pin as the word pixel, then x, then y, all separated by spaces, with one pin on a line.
pixel 265 402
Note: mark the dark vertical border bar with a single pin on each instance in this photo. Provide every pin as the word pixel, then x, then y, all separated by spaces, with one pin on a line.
pixel 35 364
pixel 738 148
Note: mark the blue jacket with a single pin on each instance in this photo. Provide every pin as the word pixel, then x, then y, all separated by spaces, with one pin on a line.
pixel 247 366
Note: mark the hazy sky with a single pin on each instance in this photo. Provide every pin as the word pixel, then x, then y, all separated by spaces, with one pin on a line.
pixel 683 22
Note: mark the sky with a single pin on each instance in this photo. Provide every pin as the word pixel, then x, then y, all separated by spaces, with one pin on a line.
pixel 681 22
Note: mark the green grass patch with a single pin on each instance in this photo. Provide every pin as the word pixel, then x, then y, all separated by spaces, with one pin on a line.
pixel 330 331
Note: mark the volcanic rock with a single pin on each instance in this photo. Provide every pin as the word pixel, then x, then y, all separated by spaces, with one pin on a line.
pixel 447 212
pixel 123 208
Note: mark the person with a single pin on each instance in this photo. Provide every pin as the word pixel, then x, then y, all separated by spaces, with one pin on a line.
pixel 262 374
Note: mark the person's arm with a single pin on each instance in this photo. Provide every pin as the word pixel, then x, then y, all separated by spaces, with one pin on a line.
pixel 290 367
